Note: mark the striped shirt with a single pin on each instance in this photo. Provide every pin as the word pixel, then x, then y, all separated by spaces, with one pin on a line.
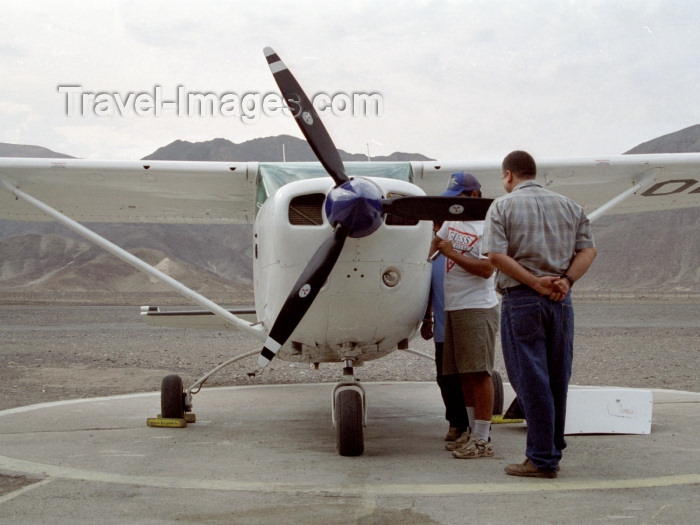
pixel 540 229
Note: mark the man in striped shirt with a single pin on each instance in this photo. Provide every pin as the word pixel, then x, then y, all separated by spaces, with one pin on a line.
pixel 541 243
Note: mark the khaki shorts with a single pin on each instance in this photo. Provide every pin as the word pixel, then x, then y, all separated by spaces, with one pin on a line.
pixel 470 340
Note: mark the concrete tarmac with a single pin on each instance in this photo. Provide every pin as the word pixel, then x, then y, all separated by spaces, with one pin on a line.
pixel 266 454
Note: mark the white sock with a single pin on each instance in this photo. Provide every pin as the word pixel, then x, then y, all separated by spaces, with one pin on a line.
pixel 481 429
pixel 470 415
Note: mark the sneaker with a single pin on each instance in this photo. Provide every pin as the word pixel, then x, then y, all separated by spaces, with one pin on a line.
pixel 460 441
pixel 528 470
pixel 454 433
pixel 475 448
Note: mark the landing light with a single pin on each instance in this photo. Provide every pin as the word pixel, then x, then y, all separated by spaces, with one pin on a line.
pixel 391 277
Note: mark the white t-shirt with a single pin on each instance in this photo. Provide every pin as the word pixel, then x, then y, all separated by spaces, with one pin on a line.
pixel 464 289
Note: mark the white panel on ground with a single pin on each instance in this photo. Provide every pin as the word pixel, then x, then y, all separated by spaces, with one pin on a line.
pixel 608 411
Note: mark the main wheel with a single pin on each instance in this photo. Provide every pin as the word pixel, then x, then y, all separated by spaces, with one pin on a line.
pixel 348 421
pixel 172 403
pixel 497 393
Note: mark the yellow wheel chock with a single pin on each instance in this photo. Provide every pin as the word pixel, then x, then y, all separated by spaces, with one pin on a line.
pixel 171 422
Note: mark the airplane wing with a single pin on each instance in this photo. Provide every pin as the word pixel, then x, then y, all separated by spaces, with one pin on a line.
pixel 224 192
pixel 131 191
pixel 618 184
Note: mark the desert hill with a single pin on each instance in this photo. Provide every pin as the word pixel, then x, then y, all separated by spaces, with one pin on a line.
pixel 686 140
pixel 23 150
pixel 59 263
pixel 45 257
pixel 646 252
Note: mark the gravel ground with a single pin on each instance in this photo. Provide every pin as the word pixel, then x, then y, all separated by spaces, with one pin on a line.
pixel 51 353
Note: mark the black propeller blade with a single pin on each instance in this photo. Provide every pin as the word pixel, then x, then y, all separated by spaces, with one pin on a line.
pixel 303 294
pixel 426 208
pixel 308 120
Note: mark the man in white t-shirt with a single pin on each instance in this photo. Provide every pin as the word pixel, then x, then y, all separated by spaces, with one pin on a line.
pixel 472 318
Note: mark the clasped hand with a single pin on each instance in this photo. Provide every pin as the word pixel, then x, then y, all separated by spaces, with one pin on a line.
pixel 553 287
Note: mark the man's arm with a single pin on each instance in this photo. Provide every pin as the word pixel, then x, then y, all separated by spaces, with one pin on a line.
pixel 581 263
pixel 579 266
pixel 479 267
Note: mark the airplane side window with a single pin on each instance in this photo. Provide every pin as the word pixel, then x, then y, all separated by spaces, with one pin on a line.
pixel 306 210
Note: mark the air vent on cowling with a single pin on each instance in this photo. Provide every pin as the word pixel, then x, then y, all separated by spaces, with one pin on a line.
pixel 306 210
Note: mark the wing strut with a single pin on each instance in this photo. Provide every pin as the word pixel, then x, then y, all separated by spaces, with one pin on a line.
pixel 644 182
pixel 188 293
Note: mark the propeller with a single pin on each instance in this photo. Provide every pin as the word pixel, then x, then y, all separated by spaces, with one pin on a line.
pixel 355 207
pixel 426 208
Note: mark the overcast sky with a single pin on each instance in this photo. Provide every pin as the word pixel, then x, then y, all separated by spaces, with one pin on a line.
pixel 456 80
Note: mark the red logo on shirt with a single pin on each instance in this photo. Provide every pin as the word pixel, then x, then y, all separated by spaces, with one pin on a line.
pixel 463 242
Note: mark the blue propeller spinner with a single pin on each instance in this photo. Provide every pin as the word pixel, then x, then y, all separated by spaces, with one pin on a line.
pixel 357 205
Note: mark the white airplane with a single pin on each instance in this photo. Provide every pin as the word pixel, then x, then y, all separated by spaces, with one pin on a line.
pixel 340 268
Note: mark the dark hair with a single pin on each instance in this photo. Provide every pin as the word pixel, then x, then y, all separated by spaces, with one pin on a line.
pixel 521 164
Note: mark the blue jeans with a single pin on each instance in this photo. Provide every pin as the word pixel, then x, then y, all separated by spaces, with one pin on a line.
pixel 537 337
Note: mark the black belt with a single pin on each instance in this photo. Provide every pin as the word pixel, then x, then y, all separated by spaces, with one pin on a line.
pixel 506 291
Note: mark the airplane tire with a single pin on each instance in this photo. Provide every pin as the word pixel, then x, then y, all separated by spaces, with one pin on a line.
pixel 497 393
pixel 348 418
pixel 171 397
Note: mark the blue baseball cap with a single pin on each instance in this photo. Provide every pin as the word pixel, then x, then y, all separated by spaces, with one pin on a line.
pixel 461 182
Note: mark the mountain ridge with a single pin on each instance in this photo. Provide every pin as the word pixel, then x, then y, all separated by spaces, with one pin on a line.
pixel 686 140
pixel 25 150
pixel 281 148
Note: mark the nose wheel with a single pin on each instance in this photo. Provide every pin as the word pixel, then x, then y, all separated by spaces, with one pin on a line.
pixel 349 414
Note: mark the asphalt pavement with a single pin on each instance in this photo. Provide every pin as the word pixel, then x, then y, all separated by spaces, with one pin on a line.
pixel 263 454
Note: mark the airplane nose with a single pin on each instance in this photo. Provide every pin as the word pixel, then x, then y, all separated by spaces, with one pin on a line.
pixel 357 205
